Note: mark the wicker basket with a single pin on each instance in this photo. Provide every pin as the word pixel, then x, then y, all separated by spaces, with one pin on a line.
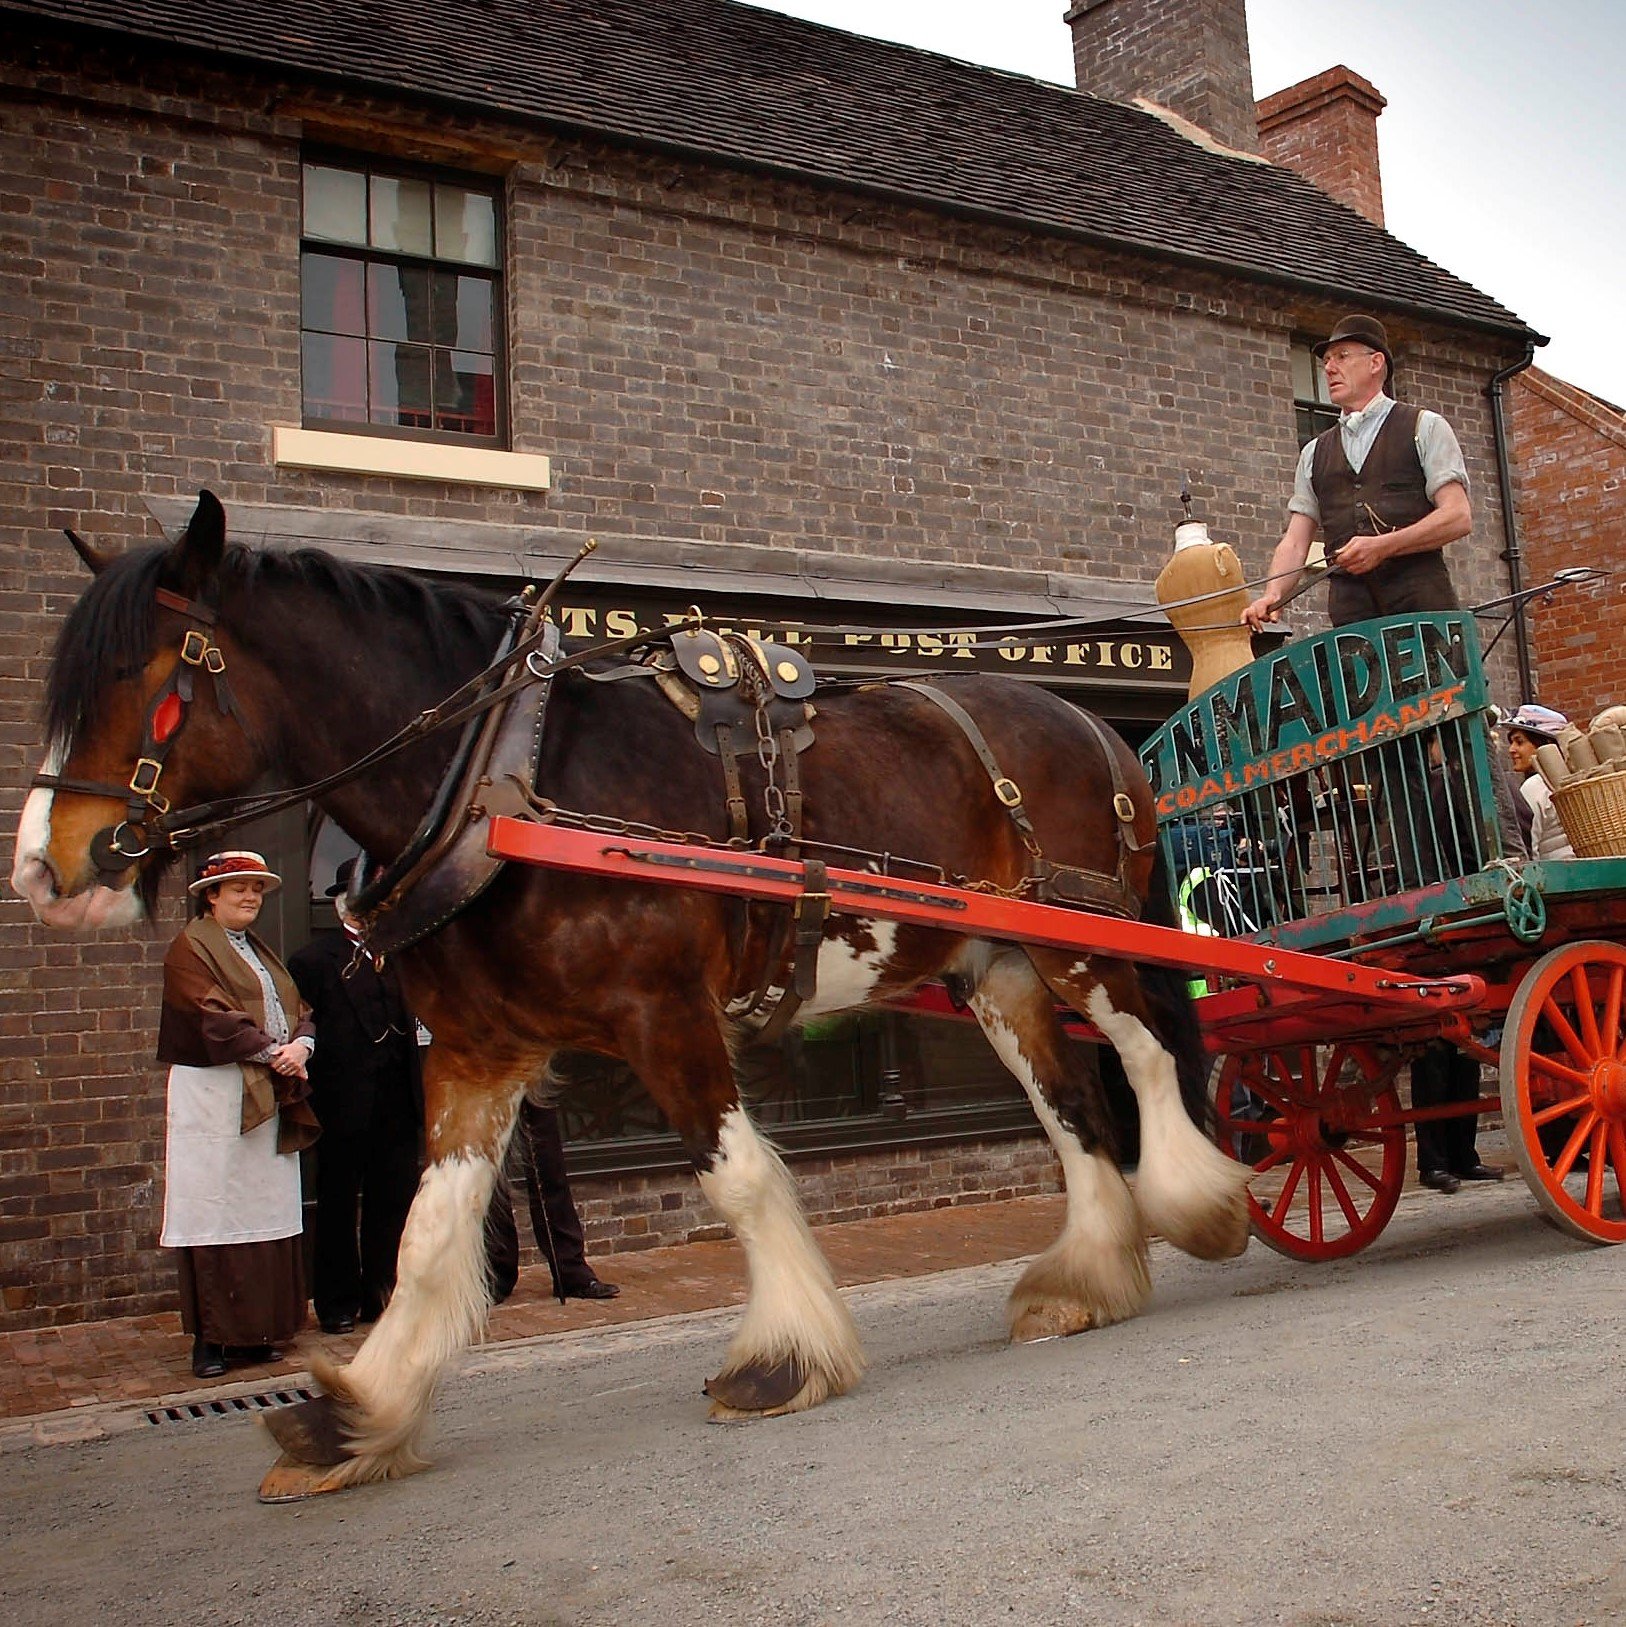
pixel 1593 814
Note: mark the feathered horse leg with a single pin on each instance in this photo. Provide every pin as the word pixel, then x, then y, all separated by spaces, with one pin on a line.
pixel 797 1344
pixel 1095 1272
pixel 368 1422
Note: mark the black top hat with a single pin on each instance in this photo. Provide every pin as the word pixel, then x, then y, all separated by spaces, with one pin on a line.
pixel 341 879
pixel 1364 330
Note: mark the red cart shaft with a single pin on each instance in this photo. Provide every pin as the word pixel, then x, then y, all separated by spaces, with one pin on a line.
pixel 744 874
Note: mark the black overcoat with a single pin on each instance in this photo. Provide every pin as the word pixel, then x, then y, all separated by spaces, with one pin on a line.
pixel 366 1072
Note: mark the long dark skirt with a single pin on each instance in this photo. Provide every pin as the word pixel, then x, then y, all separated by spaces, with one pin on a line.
pixel 243 1293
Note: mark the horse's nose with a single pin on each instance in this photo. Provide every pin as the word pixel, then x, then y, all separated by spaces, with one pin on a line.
pixel 34 881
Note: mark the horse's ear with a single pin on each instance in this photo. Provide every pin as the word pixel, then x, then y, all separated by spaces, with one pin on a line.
pixel 95 563
pixel 196 557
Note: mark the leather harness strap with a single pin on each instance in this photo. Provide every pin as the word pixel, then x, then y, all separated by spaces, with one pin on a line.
pixel 1006 790
pixel 1048 880
pixel 144 804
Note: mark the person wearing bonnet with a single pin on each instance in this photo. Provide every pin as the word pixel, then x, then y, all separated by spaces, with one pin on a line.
pixel 236 1037
pixel 1526 730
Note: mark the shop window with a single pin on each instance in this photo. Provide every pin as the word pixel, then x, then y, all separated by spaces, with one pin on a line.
pixel 400 301
pixel 1311 408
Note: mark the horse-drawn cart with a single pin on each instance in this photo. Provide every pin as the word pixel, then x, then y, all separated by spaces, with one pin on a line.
pixel 1330 827
pixel 1341 798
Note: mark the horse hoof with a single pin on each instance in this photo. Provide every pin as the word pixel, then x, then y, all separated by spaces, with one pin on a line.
pixel 756 1390
pixel 311 1433
pixel 288 1480
pixel 1051 1319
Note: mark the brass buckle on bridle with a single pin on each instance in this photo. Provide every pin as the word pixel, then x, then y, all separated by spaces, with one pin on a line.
pixel 144 781
pixel 196 648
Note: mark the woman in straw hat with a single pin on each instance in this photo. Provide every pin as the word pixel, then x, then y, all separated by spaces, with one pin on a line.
pixel 236 1037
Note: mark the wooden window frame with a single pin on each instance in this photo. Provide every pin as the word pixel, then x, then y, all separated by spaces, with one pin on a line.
pixel 371 165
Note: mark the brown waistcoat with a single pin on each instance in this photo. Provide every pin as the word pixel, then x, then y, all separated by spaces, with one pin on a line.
pixel 1390 485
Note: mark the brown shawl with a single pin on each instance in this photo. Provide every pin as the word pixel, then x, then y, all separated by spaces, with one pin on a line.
pixel 214 1012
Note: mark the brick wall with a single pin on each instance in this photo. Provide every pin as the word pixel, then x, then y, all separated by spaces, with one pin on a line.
pixel 1326 128
pixel 703 354
pixel 1570 453
pixel 637 1212
pixel 1189 55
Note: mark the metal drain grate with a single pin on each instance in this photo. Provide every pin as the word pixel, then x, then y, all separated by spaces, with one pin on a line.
pixel 231 1406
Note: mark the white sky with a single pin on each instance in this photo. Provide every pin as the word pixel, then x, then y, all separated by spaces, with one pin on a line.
pixel 1501 144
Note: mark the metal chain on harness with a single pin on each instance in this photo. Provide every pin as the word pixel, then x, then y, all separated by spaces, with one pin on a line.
pixel 780 829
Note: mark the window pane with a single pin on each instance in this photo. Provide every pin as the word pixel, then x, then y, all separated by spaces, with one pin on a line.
pixel 465 225
pixel 399 377
pixel 464 317
pixel 1304 371
pixel 335 204
pixel 398 302
pixel 400 215
pixel 465 393
pixel 335 378
pixel 330 294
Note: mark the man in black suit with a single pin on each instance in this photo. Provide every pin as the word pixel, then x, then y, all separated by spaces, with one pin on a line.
pixel 368 1094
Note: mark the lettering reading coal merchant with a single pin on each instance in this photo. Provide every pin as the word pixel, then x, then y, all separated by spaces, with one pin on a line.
pixel 1312 703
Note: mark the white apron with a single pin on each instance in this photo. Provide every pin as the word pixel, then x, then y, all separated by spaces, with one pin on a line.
pixel 219 1186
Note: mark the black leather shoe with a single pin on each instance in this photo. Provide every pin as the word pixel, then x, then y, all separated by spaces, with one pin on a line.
pixel 1441 1180
pixel 251 1355
pixel 208 1361
pixel 594 1288
pixel 1481 1172
pixel 338 1324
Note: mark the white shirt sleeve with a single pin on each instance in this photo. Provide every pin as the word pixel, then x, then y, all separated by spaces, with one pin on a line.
pixel 1303 499
pixel 1439 454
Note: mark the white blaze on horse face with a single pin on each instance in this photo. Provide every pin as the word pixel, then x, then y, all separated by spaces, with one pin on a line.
pixel 847 976
pixel 34 881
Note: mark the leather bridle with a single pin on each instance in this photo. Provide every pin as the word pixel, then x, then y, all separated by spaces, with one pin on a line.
pixel 114 848
pixel 149 821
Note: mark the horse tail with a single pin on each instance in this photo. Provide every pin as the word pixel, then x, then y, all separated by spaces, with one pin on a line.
pixel 1168 995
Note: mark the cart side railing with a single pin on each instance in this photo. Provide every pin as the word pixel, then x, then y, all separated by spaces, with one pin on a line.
pixel 1329 778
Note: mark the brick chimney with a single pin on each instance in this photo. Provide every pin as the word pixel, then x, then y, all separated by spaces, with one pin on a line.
pixel 1188 55
pixel 1326 128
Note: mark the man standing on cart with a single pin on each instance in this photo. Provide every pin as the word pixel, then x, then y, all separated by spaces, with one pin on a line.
pixel 1387 489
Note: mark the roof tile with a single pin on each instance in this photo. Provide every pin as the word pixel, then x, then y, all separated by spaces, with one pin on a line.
pixel 748 86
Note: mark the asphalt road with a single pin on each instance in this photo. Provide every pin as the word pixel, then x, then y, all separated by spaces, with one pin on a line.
pixel 1429 1433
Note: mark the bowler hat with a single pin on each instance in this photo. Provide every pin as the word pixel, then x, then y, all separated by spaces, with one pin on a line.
pixel 1540 723
pixel 239 865
pixel 1364 330
pixel 341 879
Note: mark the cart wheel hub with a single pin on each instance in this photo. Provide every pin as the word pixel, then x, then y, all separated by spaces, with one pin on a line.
pixel 1609 1088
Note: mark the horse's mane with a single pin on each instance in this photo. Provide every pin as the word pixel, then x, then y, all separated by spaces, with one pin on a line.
pixel 109 632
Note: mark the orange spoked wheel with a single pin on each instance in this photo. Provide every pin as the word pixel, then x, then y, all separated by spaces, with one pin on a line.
pixel 1320 1127
pixel 1564 1087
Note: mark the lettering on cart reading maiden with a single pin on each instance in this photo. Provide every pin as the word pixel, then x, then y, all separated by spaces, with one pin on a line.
pixel 1311 703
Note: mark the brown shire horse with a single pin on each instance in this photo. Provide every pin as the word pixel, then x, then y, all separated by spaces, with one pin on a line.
pixel 326 659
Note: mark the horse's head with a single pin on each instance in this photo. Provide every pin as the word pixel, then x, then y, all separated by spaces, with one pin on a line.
pixel 138 719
